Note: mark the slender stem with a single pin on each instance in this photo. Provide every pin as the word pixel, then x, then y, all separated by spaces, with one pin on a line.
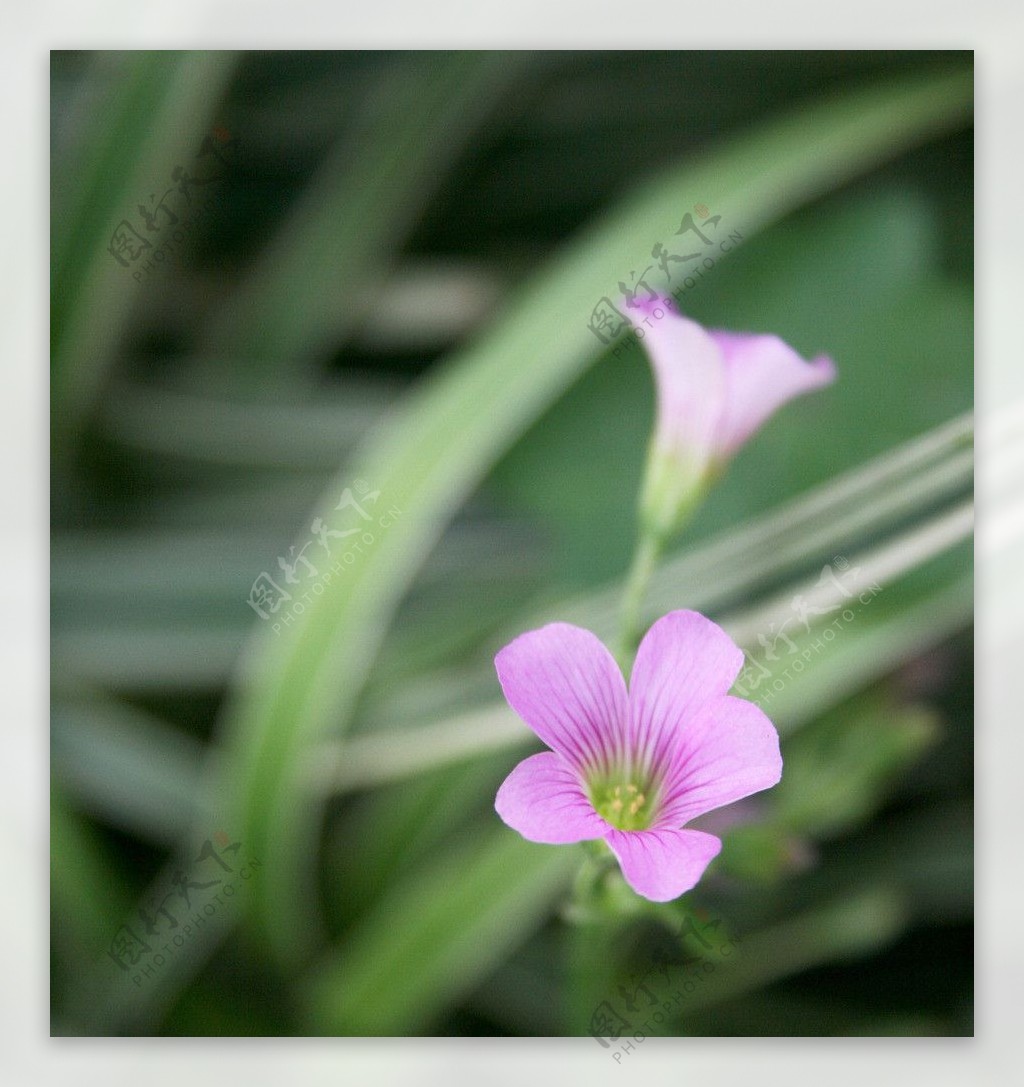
pixel 591 930
pixel 645 558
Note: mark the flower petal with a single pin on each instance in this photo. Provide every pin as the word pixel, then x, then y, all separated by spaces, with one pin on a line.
pixel 726 750
pixel 543 799
pixel 663 864
pixel 566 686
pixel 689 375
pixel 761 374
pixel 684 662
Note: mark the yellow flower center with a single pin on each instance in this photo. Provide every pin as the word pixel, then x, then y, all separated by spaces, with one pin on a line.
pixel 624 805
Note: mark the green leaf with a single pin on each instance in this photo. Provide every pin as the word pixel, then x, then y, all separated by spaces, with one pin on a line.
pixel 127 768
pixel 156 106
pixel 435 935
pixel 837 770
pixel 850 926
pixel 311 281
pixel 87 899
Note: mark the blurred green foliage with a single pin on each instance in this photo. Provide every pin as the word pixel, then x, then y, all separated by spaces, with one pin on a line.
pixel 390 285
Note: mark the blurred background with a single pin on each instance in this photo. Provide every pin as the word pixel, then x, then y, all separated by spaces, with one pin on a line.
pixel 332 421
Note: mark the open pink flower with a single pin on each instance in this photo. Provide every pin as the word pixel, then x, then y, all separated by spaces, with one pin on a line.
pixel 715 389
pixel 633 768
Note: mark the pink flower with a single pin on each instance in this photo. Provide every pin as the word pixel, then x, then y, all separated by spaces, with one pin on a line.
pixel 715 389
pixel 634 768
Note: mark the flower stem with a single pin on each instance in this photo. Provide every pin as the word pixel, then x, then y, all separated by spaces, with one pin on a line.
pixel 591 931
pixel 645 558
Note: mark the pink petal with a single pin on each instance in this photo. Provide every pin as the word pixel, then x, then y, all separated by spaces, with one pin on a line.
pixel 761 373
pixel 689 376
pixel 663 864
pixel 543 799
pixel 566 686
pixel 684 662
pixel 725 751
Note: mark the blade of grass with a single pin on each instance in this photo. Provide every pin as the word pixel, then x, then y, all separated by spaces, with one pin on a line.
pixel 86 898
pixel 152 121
pixel 262 435
pixel 459 918
pixel 126 767
pixel 306 289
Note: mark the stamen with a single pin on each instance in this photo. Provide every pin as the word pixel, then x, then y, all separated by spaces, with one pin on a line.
pixel 623 805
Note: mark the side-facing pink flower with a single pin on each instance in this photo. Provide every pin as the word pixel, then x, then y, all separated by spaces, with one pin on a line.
pixel 633 768
pixel 714 390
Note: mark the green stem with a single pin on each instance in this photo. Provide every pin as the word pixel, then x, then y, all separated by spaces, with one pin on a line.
pixel 645 558
pixel 591 931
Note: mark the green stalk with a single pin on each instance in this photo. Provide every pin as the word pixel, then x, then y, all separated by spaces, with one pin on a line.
pixel 645 559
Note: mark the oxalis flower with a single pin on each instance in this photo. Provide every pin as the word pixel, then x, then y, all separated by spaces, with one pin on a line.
pixel 633 768
pixel 714 390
